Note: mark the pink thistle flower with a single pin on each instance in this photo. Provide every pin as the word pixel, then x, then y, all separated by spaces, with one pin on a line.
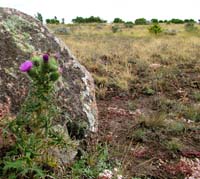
pixel 45 57
pixel 26 66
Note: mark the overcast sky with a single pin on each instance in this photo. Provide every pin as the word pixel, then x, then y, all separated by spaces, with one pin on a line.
pixel 128 10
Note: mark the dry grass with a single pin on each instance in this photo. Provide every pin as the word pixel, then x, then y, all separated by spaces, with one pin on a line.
pixel 127 56
pixel 155 75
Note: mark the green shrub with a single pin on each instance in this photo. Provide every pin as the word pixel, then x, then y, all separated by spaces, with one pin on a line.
pixel 90 19
pixel 141 21
pixel 128 24
pixel 52 21
pixel 91 164
pixel 154 20
pixel 189 21
pixel 155 29
pixel 176 21
pixel 118 20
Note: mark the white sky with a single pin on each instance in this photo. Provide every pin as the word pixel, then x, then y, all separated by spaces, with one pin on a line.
pixel 128 10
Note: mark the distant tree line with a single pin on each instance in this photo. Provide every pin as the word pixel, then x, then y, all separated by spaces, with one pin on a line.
pixel 143 21
pixel 139 21
pixel 90 19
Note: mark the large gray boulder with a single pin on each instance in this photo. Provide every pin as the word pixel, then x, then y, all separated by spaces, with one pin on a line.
pixel 22 36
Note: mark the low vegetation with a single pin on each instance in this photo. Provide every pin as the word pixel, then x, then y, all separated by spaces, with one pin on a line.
pixel 147 90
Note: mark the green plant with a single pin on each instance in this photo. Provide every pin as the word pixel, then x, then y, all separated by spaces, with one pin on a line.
pixel 176 21
pixel 52 21
pixel 90 19
pixel 154 20
pixel 141 21
pixel 175 127
pixel 148 91
pixel 155 29
pixel 129 24
pixel 132 105
pixel 118 20
pixel 91 164
pixel 39 17
pixel 174 145
pixel 138 135
pixel 192 113
pixel 33 131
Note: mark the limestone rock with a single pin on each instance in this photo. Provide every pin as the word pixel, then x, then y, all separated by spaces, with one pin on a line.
pixel 22 36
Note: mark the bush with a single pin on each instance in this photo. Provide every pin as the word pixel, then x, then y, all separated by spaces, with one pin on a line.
pixel 52 21
pixel 118 20
pixel 155 29
pixel 189 20
pixel 177 21
pixel 128 24
pixel 141 21
pixel 154 20
pixel 90 19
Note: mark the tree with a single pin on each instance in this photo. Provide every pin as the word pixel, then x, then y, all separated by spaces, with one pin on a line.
pixel 63 21
pixel 154 20
pixel 128 24
pixel 90 19
pixel 177 21
pixel 141 21
pixel 39 17
pixel 118 20
pixel 189 20
pixel 52 21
